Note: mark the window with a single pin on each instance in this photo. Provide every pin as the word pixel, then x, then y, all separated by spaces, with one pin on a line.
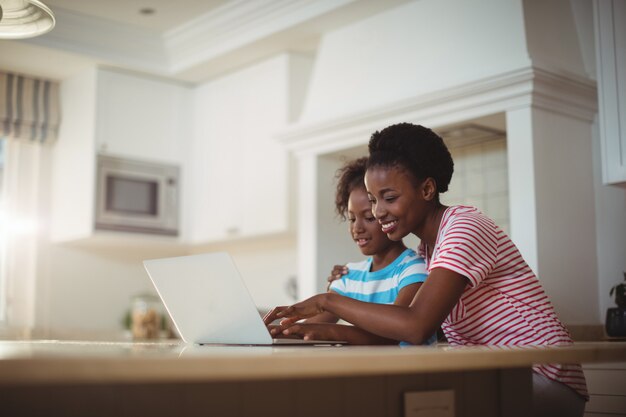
pixel 3 286
pixel 29 122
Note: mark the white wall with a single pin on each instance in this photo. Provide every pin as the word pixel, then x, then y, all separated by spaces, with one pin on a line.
pixel 412 50
pixel 84 292
pixel 73 206
pixel 553 40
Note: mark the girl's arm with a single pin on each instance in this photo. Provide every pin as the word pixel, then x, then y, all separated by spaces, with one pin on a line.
pixel 354 335
pixel 414 323
pixel 337 272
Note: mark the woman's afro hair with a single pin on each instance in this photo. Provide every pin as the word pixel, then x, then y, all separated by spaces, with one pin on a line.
pixel 415 148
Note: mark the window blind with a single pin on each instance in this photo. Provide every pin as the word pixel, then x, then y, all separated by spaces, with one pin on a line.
pixel 29 108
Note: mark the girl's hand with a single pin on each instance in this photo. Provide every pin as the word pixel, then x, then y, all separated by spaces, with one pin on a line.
pixel 291 314
pixel 337 272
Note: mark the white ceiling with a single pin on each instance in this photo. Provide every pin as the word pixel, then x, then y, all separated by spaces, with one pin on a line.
pixel 186 40
pixel 167 15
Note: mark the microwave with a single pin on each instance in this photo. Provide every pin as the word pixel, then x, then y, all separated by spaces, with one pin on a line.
pixel 136 196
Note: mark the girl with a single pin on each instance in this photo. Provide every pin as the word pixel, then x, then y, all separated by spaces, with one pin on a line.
pixel 479 288
pixel 391 273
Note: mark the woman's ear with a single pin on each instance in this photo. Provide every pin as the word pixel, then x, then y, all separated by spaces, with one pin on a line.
pixel 429 189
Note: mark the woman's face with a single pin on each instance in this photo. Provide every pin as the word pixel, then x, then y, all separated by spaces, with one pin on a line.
pixel 364 228
pixel 397 202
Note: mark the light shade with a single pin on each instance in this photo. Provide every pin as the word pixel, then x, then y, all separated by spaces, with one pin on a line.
pixel 21 19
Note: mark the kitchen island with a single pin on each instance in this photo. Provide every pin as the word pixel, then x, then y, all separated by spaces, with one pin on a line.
pixel 171 378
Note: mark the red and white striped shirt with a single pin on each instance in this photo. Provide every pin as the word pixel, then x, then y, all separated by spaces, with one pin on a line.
pixel 504 304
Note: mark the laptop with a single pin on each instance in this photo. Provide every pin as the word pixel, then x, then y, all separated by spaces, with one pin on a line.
pixel 209 303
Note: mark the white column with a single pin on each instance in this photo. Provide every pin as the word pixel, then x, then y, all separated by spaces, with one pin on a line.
pixel 307 225
pixel 552 206
pixel 523 221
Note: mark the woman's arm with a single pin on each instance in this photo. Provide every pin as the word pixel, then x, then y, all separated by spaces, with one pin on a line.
pixel 351 334
pixel 325 317
pixel 414 323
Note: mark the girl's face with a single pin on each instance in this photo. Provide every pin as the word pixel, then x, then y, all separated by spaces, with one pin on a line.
pixel 397 203
pixel 364 227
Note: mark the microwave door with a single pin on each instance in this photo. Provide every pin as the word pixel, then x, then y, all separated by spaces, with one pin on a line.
pixel 131 202
pixel 132 196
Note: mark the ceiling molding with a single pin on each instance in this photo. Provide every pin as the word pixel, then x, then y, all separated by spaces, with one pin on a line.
pixel 228 37
pixel 564 94
pixel 237 24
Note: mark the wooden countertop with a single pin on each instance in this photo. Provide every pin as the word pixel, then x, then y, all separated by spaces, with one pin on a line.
pixel 64 362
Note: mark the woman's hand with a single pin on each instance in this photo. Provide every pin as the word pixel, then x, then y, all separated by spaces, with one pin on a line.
pixel 337 272
pixel 311 331
pixel 277 333
pixel 291 314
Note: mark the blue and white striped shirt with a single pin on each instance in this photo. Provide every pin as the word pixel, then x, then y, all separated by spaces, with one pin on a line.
pixel 384 285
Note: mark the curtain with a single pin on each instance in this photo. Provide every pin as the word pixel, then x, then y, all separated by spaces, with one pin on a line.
pixel 22 206
pixel 29 108
pixel 29 117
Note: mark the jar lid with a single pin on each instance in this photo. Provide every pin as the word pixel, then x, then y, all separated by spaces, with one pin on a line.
pixel 145 297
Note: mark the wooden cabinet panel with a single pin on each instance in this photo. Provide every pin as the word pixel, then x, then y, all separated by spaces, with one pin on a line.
pixel 606 382
pixel 614 404
pixel 607 389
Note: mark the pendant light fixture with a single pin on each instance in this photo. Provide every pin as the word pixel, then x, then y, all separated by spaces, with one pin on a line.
pixel 21 19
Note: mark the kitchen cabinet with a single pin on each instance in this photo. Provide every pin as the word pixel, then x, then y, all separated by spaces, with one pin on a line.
pixel 610 31
pixel 142 118
pixel 113 113
pixel 607 392
pixel 240 172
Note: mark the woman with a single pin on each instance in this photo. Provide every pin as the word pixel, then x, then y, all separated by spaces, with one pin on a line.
pixel 479 288
pixel 391 274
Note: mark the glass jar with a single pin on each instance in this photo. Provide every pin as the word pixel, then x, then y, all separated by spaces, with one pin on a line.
pixel 146 317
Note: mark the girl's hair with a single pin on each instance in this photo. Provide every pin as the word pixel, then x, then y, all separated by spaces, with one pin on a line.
pixel 415 148
pixel 349 177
